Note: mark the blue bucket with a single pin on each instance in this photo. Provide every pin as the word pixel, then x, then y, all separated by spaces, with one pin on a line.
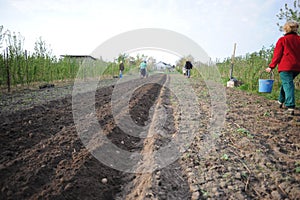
pixel 266 85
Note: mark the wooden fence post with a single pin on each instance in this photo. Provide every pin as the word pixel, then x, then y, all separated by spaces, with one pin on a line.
pixel 7 69
pixel 27 71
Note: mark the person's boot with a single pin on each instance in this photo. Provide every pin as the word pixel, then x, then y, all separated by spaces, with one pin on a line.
pixel 290 111
pixel 280 104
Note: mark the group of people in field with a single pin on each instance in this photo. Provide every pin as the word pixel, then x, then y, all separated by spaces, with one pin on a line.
pixel 142 66
pixel 286 56
pixel 143 69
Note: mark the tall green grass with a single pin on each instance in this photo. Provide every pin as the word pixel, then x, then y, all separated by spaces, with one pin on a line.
pixel 27 69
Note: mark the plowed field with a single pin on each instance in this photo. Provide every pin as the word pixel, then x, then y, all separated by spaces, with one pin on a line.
pixel 254 155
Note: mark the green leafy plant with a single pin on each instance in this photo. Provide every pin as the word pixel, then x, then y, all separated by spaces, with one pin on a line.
pixel 204 193
pixel 246 132
pixel 297 169
pixel 225 157
pixel 267 114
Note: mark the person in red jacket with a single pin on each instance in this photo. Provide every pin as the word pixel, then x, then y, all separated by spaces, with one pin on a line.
pixel 287 56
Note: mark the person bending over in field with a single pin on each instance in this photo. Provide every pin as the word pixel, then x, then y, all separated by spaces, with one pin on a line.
pixel 287 57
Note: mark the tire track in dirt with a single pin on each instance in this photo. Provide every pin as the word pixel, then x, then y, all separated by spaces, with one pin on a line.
pixel 172 181
pixel 196 123
pixel 143 182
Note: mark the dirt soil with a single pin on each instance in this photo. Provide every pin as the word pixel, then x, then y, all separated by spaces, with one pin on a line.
pixel 255 156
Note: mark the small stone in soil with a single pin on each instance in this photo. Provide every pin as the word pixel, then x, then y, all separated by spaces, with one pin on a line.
pixel 104 180
pixel 195 195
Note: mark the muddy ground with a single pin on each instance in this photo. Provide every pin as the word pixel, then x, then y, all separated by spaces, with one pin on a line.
pixel 256 155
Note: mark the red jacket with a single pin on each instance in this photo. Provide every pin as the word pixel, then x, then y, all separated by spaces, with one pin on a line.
pixel 287 53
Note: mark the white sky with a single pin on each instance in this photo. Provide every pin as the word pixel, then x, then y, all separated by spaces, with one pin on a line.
pixel 78 26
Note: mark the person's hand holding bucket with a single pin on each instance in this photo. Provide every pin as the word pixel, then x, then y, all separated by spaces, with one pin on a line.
pixel 268 69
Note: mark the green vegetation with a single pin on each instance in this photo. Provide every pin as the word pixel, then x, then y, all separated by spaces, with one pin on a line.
pixel 18 67
pixel 245 132
pixel 225 157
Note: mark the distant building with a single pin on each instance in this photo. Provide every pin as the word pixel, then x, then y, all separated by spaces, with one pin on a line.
pixel 80 58
pixel 162 66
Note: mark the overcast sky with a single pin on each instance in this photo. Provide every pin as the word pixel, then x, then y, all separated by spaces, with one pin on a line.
pixel 78 26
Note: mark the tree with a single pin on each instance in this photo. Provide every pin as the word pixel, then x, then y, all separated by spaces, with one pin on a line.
pixel 122 57
pixel 42 49
pixel 14 42
pixel 287 13
pixel 1 36
pixel 139 58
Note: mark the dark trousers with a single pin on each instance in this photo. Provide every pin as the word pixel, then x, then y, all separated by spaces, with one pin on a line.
pixel 188 72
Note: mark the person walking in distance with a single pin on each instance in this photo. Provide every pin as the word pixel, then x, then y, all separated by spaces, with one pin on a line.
pixel 287 56
pixel 121 68
pixel 143 68
pixel 188 66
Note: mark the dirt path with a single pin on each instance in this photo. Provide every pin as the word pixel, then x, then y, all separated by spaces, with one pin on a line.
pixel 254 156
